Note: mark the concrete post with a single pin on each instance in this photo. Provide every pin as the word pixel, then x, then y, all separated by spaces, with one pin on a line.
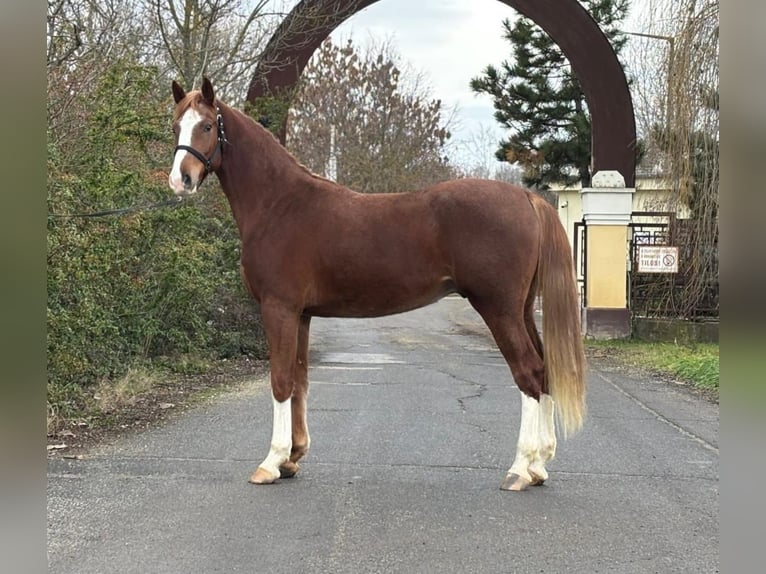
pixel 607 207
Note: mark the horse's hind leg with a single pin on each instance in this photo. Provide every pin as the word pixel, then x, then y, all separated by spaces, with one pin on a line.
pixel 301 438
pixel 520 349
pixel 547 428
pixel 536 446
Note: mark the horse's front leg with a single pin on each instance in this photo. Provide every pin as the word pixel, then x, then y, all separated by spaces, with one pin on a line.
pixel 281 326
pixel 301 438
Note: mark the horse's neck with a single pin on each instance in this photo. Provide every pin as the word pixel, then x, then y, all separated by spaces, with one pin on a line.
pixel 257 172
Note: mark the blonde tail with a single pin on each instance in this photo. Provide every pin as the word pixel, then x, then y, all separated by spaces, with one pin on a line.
pixel 563 354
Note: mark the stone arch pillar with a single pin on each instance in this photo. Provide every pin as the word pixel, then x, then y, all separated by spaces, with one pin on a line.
pixel 569 25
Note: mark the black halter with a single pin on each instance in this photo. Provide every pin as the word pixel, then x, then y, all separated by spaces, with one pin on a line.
pixel 208 161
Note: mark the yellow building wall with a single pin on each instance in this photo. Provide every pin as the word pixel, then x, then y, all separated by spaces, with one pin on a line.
pixel 606 256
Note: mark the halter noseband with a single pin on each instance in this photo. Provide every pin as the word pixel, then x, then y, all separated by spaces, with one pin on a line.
pixel 208 161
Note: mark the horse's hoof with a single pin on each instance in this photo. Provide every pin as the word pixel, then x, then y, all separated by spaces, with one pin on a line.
pixel 537 480
pixel 289 469
pixel 515 482
pixel 262 476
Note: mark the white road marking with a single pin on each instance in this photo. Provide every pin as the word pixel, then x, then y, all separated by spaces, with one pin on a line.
pixel 340 368
pixel 375 358
pixel 340 384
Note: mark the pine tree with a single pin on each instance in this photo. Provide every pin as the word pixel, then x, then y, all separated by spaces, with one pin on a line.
pixel 538 98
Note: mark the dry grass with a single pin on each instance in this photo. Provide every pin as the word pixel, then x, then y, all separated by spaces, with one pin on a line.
pixel 80 417
pixel 113 396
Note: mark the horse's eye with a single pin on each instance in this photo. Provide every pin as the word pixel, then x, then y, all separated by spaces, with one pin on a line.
pixel 208 127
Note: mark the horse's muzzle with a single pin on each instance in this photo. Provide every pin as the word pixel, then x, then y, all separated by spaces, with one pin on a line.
pixel 183 186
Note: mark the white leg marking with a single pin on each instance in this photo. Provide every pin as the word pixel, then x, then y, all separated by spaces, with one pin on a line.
pixel 547 428
pixel 528 447
pixel 281 438
pixel 186 125
pixel 547 438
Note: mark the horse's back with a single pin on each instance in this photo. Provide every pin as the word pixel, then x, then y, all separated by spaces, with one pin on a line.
pixel 485 200
pixel 485 226
pixel 456 226
pixel 474 236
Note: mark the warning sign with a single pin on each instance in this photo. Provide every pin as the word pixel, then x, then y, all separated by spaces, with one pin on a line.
pixel 657 259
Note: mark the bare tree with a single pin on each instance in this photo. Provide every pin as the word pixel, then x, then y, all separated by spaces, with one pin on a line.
pixel 377 125
pixel 676 90
pixel 77 30
pixel 221 39
pixel 296 33
pixel 478 157
pixel 84 38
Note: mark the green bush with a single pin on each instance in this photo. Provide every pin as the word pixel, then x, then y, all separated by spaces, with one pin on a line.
pixel 138 286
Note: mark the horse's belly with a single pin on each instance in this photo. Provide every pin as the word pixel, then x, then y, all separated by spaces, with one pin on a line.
pixel 379 300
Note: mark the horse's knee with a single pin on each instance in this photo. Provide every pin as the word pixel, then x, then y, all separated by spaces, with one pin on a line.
pixel 281 387
pixel 530 385
pixel 529 375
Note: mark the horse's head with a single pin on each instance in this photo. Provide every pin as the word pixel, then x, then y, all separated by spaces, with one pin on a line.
pixel 198 127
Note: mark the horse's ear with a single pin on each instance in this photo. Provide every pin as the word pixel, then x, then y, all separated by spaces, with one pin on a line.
pixel 178 92
pixel 208 94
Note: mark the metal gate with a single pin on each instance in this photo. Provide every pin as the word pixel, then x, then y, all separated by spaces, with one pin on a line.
pixel 647 291
pixel 579 247
pixel 654 294
pixel 690 293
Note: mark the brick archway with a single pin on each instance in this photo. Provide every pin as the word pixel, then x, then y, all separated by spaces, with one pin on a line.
pixel 569 25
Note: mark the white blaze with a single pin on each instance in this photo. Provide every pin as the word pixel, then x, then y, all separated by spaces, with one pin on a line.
pixel 186 125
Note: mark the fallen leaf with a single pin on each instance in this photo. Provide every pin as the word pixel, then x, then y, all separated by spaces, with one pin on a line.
pixel 166 405
pixel 56 446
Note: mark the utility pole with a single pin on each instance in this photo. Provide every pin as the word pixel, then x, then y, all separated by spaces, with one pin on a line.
pixel 671 68
pixel 332 162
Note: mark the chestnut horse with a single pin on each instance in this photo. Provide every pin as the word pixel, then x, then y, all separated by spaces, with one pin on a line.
pixel 312 247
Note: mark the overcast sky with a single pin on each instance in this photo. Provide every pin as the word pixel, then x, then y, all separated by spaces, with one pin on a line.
pixel 450 41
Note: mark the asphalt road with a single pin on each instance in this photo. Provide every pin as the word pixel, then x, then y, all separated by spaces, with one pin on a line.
pixel 414 420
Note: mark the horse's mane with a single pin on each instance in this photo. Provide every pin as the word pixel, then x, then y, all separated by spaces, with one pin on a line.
pixel 194 99
pixel 258 126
